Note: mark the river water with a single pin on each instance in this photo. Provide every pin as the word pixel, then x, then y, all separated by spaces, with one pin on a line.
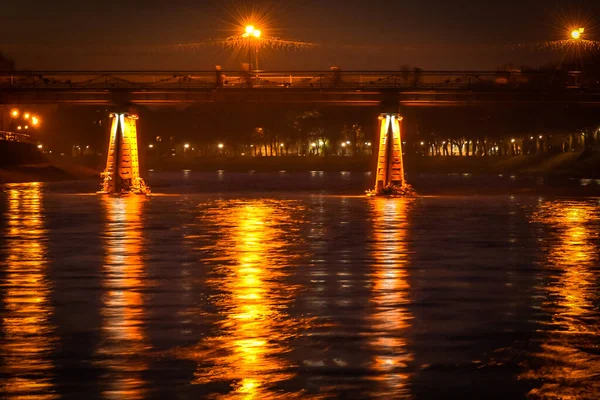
pixel 260 286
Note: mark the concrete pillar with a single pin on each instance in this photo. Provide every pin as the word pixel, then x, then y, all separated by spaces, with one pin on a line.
pixel 389 176
pixel 122 173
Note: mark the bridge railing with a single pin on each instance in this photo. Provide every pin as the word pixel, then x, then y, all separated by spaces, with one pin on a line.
pixel 15 137
pixel 342 80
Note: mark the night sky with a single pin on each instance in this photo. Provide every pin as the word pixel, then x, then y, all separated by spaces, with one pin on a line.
pixel 353 34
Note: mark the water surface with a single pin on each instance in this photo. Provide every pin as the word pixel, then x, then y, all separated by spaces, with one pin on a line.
pixel 311 290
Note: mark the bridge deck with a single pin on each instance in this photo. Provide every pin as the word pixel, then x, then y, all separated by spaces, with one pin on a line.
pixel 354 88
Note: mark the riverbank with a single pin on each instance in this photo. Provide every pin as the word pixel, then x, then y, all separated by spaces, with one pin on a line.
pixel 576 165
pixel 14 168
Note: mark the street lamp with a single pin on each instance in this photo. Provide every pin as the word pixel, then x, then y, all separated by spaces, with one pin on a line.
pixel 35 121
pixel 187 146
pixel 577 33
pixel 26 115
pixel 252 33
pixel 220 145
pixel 14 113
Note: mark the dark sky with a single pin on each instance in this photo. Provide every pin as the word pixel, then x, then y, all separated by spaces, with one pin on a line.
pixel 375 34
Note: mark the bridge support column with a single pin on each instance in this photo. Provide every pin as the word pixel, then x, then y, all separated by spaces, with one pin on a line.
pixel 122 173
pixel 389 176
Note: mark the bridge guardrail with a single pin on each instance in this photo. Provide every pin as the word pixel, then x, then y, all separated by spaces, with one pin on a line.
pixel 15 137
pixel 351 80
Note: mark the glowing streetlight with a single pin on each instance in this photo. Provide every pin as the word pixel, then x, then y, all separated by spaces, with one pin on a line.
pixel 512 140
pixel 35 121
pixel 313 144
pixel 26 115
pixel 249 29
pixel 221 145
pixel 40 146
pixel 281 145
pixel 343 144
pixel 576 33
pixel 541 137
pixel 14 113
pixel 187 145
pixel 26 126
pixel 19 127
pixel 150 146
pixel 422 143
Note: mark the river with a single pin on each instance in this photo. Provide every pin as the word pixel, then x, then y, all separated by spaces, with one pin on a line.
pixel 263 286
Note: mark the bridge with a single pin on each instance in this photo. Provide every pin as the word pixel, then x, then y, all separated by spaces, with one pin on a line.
pixel 334 87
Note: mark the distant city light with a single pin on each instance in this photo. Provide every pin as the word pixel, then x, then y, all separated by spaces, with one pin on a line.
pixel 187 146
pixel 26 116
pixel 14 113
pixel 512 140
pixel 313 144
pixel 422 143
pixel 26 126
pixel 221 145
pixel 343 144
pixel 281 145
pixel 347 142
pixel 35 121
pixel 541 137
pixel 19 127
pixel 150 146
pixel 40 146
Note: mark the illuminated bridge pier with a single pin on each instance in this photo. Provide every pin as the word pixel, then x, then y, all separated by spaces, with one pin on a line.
pixel 389 177
pixel 122 173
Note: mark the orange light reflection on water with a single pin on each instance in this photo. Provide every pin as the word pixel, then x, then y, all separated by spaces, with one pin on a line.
pixel 570 371
pixel 124 340
pixel 390 318
pixel 28 335
pixel 249 351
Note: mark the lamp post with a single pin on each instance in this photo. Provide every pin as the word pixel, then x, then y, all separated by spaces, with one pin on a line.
pixel 252 34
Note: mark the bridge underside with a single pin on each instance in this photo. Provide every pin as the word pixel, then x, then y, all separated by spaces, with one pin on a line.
pixel 371 98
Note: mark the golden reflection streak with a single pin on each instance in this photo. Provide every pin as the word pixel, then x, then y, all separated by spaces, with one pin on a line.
pixel 28 335
pixel 569 371
pixel 249 353
pixel 124 341
pixel 390 318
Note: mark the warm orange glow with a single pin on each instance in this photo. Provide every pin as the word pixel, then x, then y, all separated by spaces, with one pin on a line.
pixel 26 115
pixel 123 305
pixel 19 127
pixel 256 33
pixel 35 121
pixel 14 113
pixel 122 172
pixel 569 292
pixel 249 29
pixel 390 166
pixel 391 318
pixel 28 336
pixel 577 33
pixel 254 328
